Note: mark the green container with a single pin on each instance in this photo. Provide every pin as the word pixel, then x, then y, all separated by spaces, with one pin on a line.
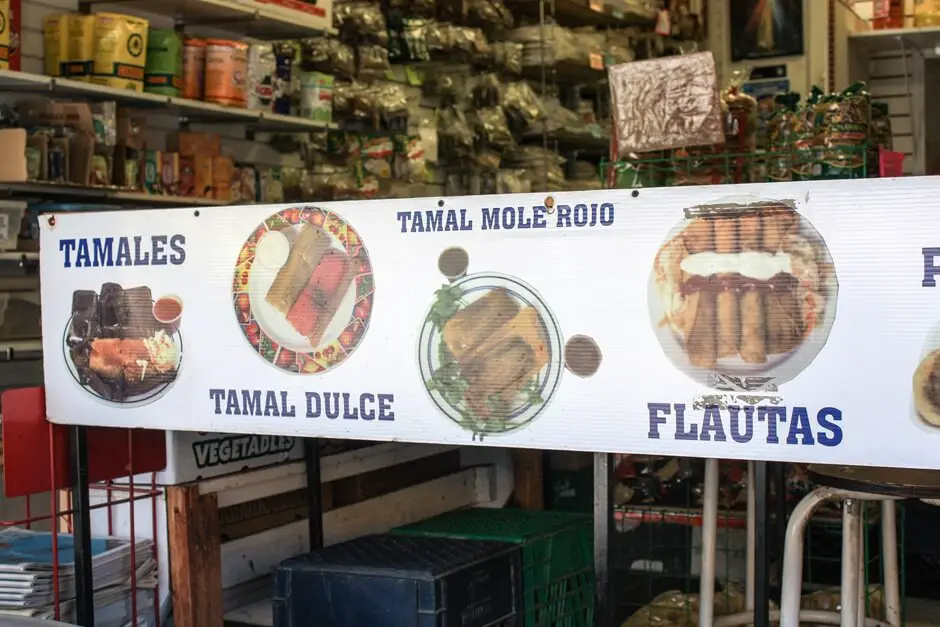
pixel 163 72
pixel 557 557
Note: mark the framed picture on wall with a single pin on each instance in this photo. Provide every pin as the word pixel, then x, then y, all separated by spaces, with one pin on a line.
pixel 761 29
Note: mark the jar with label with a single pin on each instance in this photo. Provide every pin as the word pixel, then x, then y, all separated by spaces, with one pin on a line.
pixel 261 77
pixel 194 68
pixel 316 96
pixel 226 72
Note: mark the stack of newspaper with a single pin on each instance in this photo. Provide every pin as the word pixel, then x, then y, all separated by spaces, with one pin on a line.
pixel 26 580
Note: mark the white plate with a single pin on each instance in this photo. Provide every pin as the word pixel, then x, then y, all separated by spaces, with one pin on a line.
pixel 779 368
pixel 475 286
pixel 274 323
pixel 138 400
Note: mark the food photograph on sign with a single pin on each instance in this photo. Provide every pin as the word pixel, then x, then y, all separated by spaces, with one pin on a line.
pixel 926 388
pixel 743 289
pixel 490 351
pixel 122 345
pixel 303 290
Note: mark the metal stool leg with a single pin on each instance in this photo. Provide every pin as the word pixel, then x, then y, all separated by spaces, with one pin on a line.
pixel 851 519
pixel 862 567
pixel 889 563
pixel 706 610
pixel 793 555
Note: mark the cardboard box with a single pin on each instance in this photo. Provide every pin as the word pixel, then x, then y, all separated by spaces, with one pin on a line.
pixel 13 148
pixel 194 144
pixel 202 176
pixel 222 169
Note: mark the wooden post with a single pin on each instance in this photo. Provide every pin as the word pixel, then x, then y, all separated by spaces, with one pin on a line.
pixel 196 558
pixel 527 470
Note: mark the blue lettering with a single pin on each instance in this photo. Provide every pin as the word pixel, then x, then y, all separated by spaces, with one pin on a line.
pixel 607 214
pixel 563 220
pixel 490 218
pixel 403 219
pixel 509 218
pixel 159 254
pixel 141 256
pixel 681 432
pixel 123 252
pixel 385 407
pixel 580 215
pixel 332 412
pixel 103 254
pixel 538 217
pixel 216 395
pixel 435 219
pixel 771 415
pixel 930 270
pixel 177 242
pixel 83 256
pixel 712 424
pixel 67 246
pixel 827 419
pixel 736 435
pixel 366 411
pixel 655 409
pixel 799 426
pixel 251 400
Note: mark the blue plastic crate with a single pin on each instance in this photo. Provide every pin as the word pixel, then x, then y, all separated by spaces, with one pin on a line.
pixel 401 581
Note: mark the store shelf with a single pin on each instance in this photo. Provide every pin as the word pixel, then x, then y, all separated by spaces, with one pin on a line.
pixel 574 13
pixel 193 111
pixel 19 256
pixel 248 18
pixel 891 40
pixel 39 191
pixel 567 72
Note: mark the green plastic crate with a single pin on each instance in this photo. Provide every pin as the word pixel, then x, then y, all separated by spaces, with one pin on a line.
pixel 557 557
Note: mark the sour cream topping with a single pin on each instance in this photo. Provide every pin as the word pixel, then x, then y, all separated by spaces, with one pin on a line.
pixel 757 265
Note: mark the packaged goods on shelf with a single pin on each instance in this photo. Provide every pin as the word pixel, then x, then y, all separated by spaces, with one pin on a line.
pixel 226 68
pixel 194 68
pixel 163 73
pixel 262 66
pixel 55 44
pixel 81 55
pixel 926 13
pixel 120 51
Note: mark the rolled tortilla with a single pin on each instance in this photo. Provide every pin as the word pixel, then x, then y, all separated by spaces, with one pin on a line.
pixel 729 322
pixel 699 235
pixel 753 348
pixel 701 345
pixel 779 222
pixel 784 321
pixel 749 231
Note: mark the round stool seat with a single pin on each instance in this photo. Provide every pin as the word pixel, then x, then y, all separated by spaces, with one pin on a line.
pixel 901 483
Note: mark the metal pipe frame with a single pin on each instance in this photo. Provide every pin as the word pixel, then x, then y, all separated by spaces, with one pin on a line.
pixel 706 608
pixel 790 613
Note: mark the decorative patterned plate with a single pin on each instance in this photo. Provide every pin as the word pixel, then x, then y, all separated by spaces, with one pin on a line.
pixel 268 331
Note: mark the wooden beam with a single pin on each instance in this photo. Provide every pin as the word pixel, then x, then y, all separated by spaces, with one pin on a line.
pixel 196 563
pixel 527 469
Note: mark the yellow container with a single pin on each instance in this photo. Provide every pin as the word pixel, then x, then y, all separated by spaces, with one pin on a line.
pixel 81 47
pixel 55 29
pixel 4 34
pixel 120 51
pixel 926 13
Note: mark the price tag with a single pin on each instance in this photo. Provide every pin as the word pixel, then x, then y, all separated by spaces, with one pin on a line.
pixel 596 5
pixel 597 61
pixel 663 23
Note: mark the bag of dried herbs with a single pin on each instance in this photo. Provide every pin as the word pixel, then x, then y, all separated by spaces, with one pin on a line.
pixel 782 136
pixel 842 133
pixel 805 159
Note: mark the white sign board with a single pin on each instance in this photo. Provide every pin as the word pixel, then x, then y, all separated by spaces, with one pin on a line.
pixel 791 321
